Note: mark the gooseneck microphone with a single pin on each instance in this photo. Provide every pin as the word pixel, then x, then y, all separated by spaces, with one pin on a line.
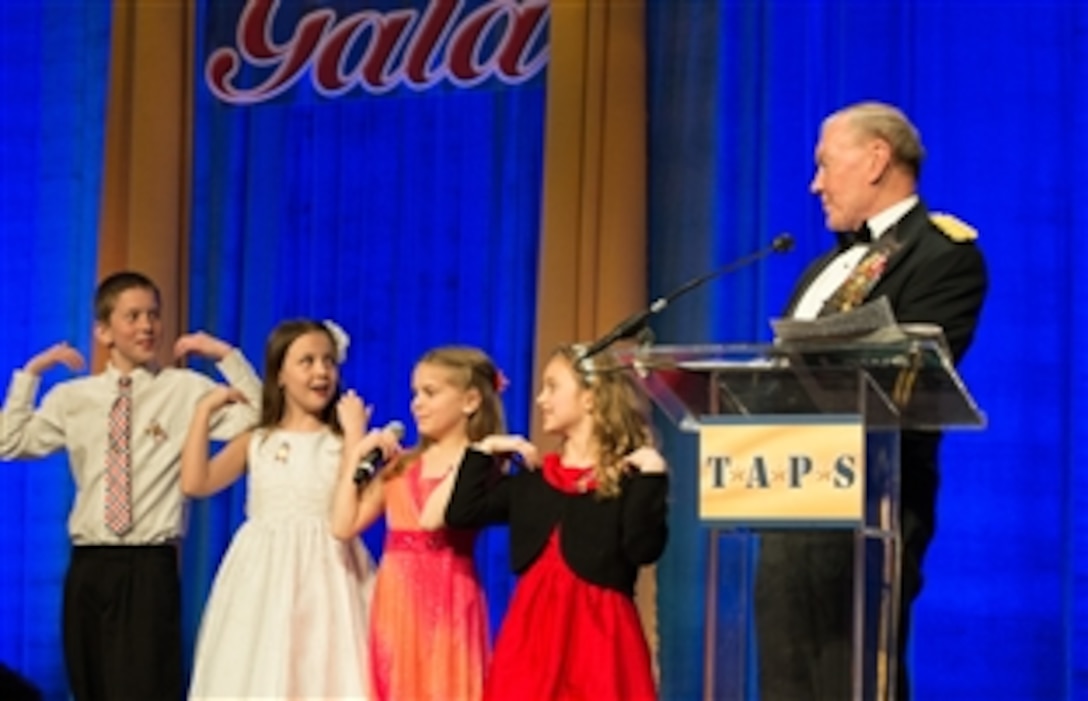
pixel 373 460
pixel 632 325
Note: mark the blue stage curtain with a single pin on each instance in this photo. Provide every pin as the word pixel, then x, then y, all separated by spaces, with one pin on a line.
pixel 1000 93
pixel 410 218
pixel 52 74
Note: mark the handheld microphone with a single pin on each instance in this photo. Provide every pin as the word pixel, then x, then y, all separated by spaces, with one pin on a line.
pixel 370 463
pixel 632 325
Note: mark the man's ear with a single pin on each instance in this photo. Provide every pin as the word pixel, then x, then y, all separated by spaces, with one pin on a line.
pixel 880 160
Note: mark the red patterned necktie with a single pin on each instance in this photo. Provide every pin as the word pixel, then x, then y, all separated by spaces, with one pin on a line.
pixel 119 461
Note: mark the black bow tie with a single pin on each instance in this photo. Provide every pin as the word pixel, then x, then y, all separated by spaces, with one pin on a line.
pixel 862 237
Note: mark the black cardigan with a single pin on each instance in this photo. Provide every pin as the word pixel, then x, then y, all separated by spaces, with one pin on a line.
pixel 604 540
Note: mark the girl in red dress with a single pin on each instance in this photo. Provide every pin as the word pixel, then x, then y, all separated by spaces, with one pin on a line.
pixel 580 527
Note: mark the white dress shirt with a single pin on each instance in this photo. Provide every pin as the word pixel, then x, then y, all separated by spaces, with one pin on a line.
pixel 840 267
pixel 74 415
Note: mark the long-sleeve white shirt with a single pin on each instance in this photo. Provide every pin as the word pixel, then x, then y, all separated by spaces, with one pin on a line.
pixel 74 415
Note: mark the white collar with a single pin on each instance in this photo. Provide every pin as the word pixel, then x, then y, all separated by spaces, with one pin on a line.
pixel 884 220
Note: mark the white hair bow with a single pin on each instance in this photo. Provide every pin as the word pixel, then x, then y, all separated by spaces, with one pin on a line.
pixel 340 338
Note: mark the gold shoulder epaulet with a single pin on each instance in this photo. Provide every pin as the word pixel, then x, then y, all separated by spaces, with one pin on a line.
pixel 953 227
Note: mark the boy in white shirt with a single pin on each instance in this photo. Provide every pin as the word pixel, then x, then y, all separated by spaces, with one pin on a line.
pixel 123 429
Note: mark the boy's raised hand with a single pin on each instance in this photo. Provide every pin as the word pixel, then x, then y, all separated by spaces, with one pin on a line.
pixel 202 344
pixel 57 354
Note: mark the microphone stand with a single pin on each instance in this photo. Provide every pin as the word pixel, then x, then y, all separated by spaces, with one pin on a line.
pixel 636 323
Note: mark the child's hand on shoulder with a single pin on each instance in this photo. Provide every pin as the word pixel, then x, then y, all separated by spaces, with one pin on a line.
pixel 57 354
pixel 647 461
pixel 506 445
pixel 202 344
pixel 353 413
pixel 221 396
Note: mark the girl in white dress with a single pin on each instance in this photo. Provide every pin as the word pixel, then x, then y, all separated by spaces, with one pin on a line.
pixel 287 614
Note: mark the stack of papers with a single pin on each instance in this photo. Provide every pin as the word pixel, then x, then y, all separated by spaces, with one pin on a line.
pixel 873 322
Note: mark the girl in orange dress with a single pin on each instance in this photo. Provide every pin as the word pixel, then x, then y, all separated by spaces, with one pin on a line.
pixel 428 623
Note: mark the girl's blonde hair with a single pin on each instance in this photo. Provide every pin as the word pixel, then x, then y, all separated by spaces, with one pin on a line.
pixel 470 369
pixel 620 413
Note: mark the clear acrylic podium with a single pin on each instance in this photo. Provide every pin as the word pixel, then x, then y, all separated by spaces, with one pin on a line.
pixel 795 438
